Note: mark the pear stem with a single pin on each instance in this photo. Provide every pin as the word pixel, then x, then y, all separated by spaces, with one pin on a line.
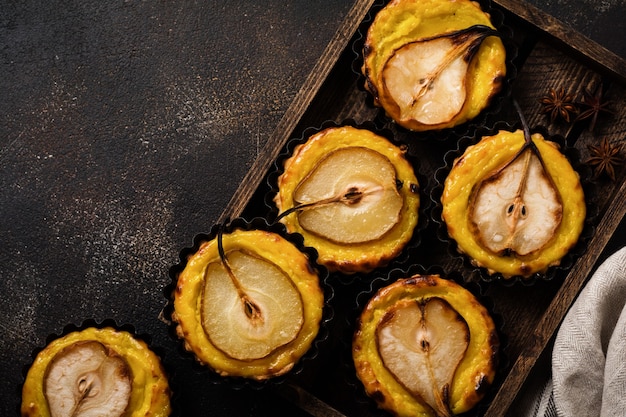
pixel 350 196
pixel 525 127
pixel 528 143
pixel 253 312
pixel 471 38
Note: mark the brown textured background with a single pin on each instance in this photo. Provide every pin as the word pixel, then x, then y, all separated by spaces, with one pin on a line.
pixel 125 128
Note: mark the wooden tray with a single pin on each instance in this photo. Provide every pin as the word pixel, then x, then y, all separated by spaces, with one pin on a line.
pixel 550 55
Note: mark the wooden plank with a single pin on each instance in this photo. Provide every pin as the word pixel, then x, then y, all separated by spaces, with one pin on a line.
pixel 301 102
pixel 536 342
pixel 595 54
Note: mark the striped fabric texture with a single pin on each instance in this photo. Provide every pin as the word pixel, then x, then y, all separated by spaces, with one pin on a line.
pixel 586 375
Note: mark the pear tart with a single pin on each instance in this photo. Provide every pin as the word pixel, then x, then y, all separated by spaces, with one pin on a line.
pixel 514 204
pixel 425 346
pixel 433 64
pixel 96 372
pixel 352 195
pixel 248 303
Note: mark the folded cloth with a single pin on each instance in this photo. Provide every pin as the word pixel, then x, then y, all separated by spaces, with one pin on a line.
pixel 589 355
pixel 588 371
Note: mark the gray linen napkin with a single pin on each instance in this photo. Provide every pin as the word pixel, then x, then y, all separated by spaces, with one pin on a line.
pixel 588 371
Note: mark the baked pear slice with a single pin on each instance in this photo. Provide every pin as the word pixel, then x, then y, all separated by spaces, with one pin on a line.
pixel 433 64
pixel 422 343
pixel 350 186
pixel 514 204
pixel 96 372
pixel 86 379
pixel 517 209
pixel 248 303
pixel 352 195
pixel 251 308
pixel 425 81
pixel 424 346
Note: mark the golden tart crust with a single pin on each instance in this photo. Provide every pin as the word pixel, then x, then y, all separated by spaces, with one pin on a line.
pixel 403 22
pixel 150 395
pixel 486 156
pixel 268 246
pixel 474 374
pixel 354 257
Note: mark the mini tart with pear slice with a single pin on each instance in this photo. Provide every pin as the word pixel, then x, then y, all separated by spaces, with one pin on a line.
pixel 248 303
pixel 514 204
pixel 425 346
pixel 433 64
pixel 96 371
pixel 352 195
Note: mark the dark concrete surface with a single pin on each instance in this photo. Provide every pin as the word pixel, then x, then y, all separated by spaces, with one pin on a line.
pixel 125 128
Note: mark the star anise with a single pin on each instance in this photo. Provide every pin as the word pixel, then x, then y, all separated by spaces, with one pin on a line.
pixel 605 158
pixel 557 103
pixel 594 106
